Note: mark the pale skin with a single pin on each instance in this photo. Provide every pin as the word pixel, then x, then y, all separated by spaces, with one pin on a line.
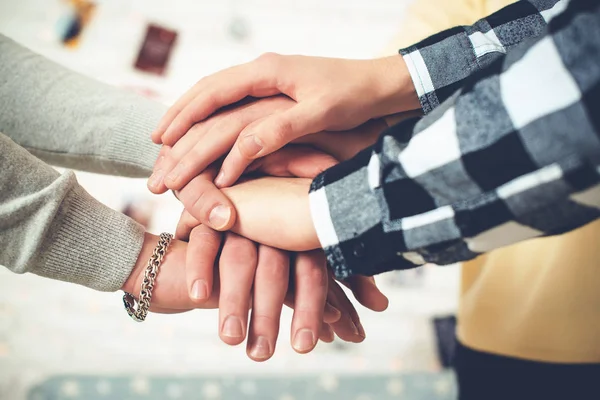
pixel 329 95
pixel 280 120
pixel 245 274
pixel 325 308
pixel 214 209
pixel 286 162
pixel 264 206
pixel 264 216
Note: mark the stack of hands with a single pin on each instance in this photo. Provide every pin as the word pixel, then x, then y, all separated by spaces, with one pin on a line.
pixel 239 150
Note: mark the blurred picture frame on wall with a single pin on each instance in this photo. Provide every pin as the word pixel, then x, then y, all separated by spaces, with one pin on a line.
pixel 72 24
pixel 156 49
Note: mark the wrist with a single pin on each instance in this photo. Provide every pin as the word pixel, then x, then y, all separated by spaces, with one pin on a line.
pixel 132 284
pixel 274 212
pixel 394 86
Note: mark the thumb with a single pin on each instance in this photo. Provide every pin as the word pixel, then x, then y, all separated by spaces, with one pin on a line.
pixel 367 293
pixel 274 132
pixel 267 135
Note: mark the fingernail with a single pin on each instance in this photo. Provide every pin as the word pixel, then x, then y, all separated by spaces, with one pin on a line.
pixel 156 178
pixel 199 290
pixel 304 340
pixel 173 175
pixel 232 327
pixel 261 348
pixel 250 145
pixel 356 332
pixel 219 216
pixel 220 179
pixel 360 331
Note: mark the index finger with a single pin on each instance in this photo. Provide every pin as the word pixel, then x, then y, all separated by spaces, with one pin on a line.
pixel 202 251
pixel 217 91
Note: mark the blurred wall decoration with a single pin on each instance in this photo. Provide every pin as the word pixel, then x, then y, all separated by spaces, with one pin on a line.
pixel 59 341
pixel 72 23
pixel 156 49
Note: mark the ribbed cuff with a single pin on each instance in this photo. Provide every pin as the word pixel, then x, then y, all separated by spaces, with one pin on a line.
pixel 130 143
pixel 92 244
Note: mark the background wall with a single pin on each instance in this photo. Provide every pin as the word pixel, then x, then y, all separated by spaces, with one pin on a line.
pixel 49 328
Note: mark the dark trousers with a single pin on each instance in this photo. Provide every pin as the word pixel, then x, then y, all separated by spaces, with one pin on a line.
pixel 483 376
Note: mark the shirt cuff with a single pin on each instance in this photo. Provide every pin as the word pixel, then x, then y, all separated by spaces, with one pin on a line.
pixel 90 244
pixel 420 78
pixel 130 149
pixel 348 222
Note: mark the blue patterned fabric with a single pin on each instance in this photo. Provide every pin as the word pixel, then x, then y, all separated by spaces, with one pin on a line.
pixel 415 386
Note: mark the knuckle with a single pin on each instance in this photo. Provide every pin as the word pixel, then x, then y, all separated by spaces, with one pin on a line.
pixel 269 64
pixel 273 272
pixel 194 198
pixel 232 300
pixel 268 58
pixel 169 161
pixel 197 129
pixel 196 156
pixel 164 150
pixel 276 103
pixel 203 81
pixel 281 130
pixel 239 252
pixel 221 124
pixel 204 235
pixel 211 98
pixel 308 314
pixel 314 277
pixel 182 122
pixel 319 277
pixel 202 204
pixel 262 321
pixel 327 107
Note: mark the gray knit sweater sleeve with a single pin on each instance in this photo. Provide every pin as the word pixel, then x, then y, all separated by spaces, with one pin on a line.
pixel 49 225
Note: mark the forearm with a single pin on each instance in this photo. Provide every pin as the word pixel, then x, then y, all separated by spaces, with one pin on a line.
pixel 513 156
pixel 50 226
pixel 274 212
pixel 73 121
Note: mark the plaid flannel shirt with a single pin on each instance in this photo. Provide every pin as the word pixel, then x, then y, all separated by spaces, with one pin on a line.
pixel 509 149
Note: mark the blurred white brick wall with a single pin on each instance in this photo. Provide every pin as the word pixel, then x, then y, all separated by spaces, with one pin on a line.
pixel 335 28
pixel 50 327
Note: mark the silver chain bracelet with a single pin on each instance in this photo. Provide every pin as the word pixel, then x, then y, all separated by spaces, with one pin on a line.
pixel 140 312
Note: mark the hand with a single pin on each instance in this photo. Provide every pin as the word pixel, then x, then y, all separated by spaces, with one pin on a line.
pixel 316 300
pixel 212 207
pixel 260 276
pixel 176 166
pixel 271 211
pixel 180 288
pixel 267 206
pixel 170 294
pixel 342 145
pixel 237 265
pixel 331 94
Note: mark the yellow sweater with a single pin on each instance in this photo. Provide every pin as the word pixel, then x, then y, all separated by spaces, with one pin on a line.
pixel 537 300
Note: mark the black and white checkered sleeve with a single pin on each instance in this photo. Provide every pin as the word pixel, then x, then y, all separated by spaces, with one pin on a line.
pixel 440 64
pixel 513 155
